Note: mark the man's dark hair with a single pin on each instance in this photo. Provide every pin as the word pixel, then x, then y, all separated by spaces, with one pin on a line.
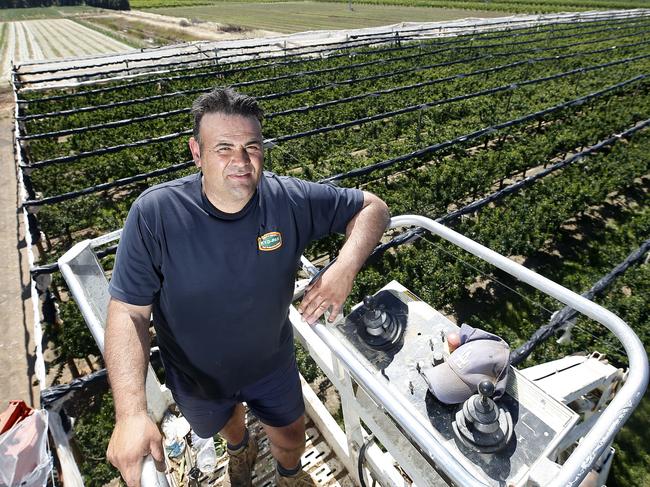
pixel 226 101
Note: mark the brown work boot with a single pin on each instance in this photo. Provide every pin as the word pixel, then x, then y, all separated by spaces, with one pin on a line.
pixel 240 465
pixel 301 479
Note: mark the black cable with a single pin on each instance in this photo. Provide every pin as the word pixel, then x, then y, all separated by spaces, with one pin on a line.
pixel 106 150
pixel 410 236
pixel 567 313
pixel 413 108
pixel 355 172
pixel 363 171
pixel 397 89
pixel 338 126
pixel 362 458
pixel 311 89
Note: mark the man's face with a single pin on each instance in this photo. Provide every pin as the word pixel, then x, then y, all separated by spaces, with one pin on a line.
pixel 231 157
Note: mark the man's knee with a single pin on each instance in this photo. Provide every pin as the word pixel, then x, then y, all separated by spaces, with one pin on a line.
pixel 233 430
pixel 290 437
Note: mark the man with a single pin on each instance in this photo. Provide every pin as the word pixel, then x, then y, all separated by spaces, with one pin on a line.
pixel 214 255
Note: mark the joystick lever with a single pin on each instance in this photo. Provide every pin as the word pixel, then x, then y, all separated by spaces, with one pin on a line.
pixel 374 318
pixel 481 424
pixel 378 328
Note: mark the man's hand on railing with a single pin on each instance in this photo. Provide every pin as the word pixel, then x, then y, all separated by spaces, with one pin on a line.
pixel 134 437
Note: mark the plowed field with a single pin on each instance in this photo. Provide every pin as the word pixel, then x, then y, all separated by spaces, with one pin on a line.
pixel 51 39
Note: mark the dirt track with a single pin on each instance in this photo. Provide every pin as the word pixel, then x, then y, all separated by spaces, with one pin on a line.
pixel 16 327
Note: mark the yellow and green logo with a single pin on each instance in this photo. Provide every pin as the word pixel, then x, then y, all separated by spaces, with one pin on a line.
pixel 269 241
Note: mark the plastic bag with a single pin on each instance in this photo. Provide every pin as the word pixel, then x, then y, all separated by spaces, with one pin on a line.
pixel 206 455
pixel 24 457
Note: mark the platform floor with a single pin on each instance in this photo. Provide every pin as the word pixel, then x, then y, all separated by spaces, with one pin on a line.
pixel 318 460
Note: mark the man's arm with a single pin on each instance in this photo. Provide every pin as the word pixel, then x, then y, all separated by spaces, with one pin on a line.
pixel 127 357
pixel 363 232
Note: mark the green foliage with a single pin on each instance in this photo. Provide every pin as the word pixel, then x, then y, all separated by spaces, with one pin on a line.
pixel 306 365
pixel 632 461
pixel 572 226
pixel 517 6
pixel 74 340
pixel 38 3
pixel 109 4
pixel 92 430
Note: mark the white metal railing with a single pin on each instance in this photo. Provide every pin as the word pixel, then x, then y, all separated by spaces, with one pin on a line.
pixel 89 286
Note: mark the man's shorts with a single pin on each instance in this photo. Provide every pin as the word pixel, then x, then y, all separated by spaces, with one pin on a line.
pixel 275 399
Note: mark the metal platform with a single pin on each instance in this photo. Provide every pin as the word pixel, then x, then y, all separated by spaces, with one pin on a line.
pixel 374 407
pixel 318 460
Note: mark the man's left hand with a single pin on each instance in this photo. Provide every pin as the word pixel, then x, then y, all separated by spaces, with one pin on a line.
pixel 328 292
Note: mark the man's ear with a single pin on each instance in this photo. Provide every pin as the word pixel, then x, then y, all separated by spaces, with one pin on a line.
pixel 195 149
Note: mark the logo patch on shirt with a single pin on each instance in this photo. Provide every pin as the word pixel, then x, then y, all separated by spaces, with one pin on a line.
pixel 269 241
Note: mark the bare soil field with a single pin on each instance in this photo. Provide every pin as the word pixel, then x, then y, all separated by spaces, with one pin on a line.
pixel 51 39
pixel 146 29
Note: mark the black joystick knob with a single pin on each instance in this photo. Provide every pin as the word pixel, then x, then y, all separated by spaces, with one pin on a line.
pixel 486 388
pixel 486 391
pixel 369 302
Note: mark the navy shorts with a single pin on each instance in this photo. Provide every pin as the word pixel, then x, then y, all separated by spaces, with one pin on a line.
pixel 275 399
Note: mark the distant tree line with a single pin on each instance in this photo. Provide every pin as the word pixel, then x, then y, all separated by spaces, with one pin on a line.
pixel 110 4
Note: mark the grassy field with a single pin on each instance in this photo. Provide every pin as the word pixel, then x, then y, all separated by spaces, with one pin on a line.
pixel 134 32
pixel 301 16
pixel 11 14
pixel 519 6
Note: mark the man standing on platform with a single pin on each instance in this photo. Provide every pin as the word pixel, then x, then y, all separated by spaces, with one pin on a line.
pixel 213 255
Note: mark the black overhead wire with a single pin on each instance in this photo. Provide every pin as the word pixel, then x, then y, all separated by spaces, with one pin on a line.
pixel 427 151
pixel 230 70
pixel 341 125
pixel 54 266
pixel 421 84
pixel 106 150
pixel 355 173
pixel 413 234
pixel 413 108
pixel 410 236
pixel 567 314
pixel 374 37
pixel 310 89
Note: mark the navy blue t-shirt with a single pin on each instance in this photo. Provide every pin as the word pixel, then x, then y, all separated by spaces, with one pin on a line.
pixel 221 284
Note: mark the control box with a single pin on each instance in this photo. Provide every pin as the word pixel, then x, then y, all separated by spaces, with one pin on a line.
pixel 394 333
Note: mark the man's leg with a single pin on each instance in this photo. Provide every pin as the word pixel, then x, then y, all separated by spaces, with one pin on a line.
pixel 226 416
pixel 242 449
pixel 234 430
pixel 287 446
pixel 287 443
